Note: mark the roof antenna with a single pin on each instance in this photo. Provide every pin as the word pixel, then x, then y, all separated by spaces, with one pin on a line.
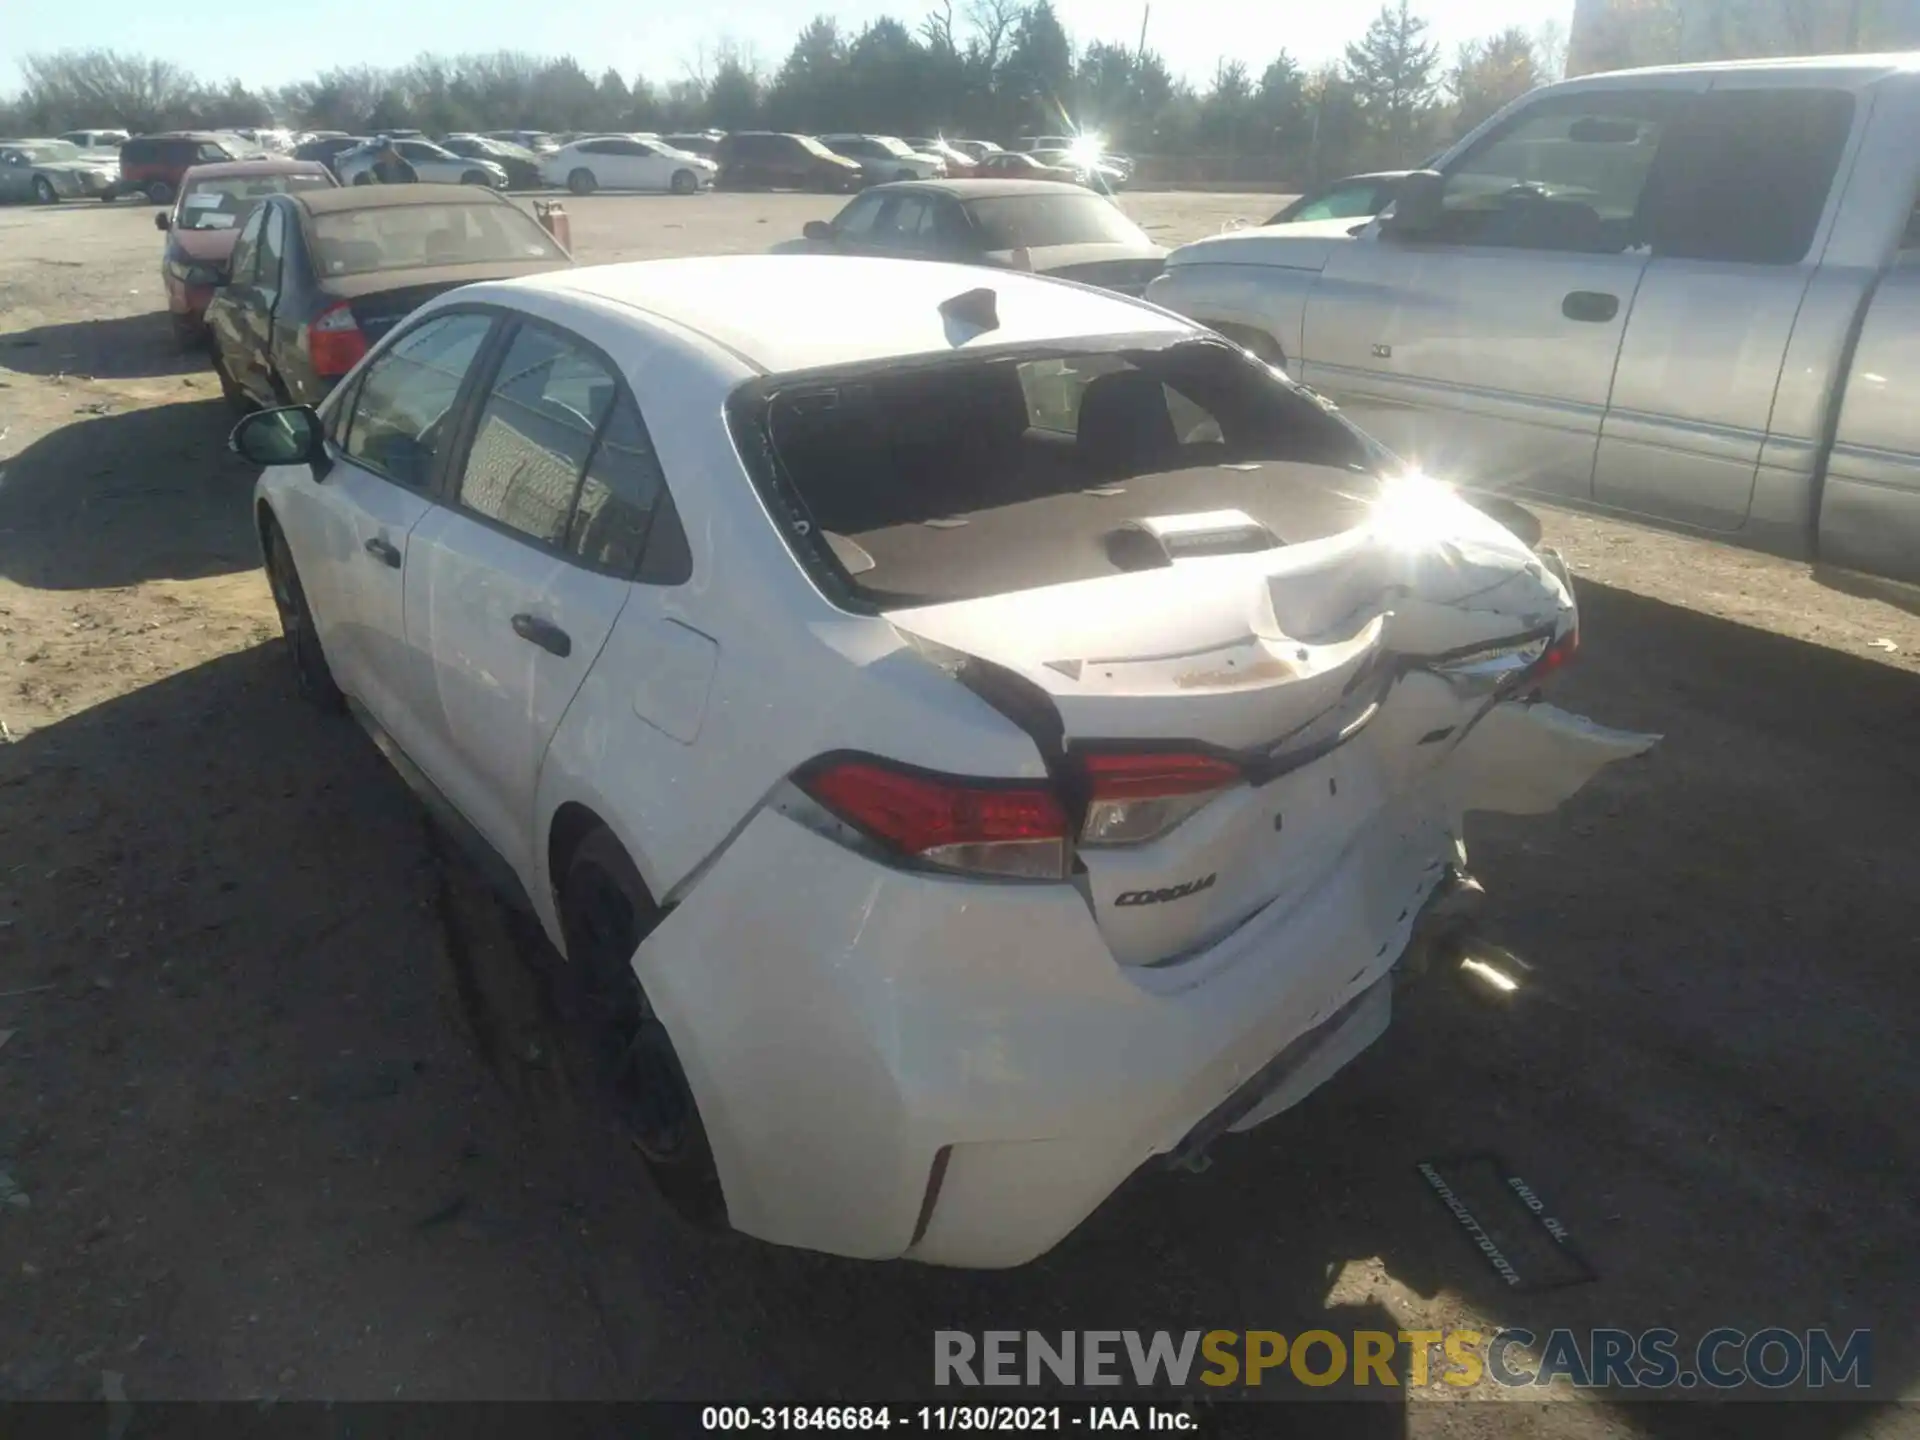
pixel 976 309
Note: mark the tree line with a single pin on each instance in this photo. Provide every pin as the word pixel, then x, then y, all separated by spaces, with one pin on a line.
pixel 993 68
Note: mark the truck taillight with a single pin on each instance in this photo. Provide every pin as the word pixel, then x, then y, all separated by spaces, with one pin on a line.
pixel 1136 796
pixel 334 341
pixel 1010 828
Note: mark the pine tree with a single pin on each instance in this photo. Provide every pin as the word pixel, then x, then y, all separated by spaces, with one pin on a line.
pixel 1392 69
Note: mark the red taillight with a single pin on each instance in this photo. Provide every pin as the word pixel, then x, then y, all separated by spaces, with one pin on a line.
pixel 1557 654
pixel 334 341
pixel 1135 796
pixel 1013 828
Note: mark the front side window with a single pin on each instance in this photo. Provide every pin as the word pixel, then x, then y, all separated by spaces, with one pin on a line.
pixel 1352 202
pixel 273 245
pixel 857 219
pixel 246 251
pixel 209 153
pixel 535 435
pixel 899 223
pixel 1564 174
pixel 400 415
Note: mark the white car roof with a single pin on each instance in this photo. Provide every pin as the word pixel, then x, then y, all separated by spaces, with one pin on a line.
pixel 780 313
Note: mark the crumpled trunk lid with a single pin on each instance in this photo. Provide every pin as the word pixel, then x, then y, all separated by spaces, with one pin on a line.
pixel 1312 667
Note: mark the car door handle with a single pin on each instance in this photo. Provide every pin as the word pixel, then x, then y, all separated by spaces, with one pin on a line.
pixel 1592 306
pixel 544 633
pixel 386 553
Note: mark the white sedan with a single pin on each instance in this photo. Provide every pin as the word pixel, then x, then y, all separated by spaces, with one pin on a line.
pixel 970 733
pixel 626 162
pixel 431 164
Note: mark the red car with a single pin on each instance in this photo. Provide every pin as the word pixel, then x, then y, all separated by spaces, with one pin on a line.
pixel 205 219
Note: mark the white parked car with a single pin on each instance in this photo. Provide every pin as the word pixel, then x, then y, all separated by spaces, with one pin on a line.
pixel 432 164
pixel 882 158
pixel 971 733
pixel 110 140
pixel 626 162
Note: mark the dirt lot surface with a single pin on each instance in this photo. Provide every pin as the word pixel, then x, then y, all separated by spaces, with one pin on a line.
pixel 279 1118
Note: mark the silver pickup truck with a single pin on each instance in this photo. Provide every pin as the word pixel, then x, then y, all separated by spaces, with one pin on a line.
pixel 1689 295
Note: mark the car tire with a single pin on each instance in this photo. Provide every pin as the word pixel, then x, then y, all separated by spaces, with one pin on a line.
pixel 605 911
pixel 44 192
pixel 582 182
pixel 159 192
pixel 684 182
pixel 238 400
pixel 311 674
pixel 363 178
pixel 477 177
pixel 905 175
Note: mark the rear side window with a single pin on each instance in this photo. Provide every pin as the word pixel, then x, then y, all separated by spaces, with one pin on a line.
pixel 622 490
pixel 561 455
pixel 535 434
pixel 1744 175
pixel 136 151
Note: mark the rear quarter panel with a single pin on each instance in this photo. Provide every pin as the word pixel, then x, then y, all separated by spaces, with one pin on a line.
pixel 1870 507
pixel 787 676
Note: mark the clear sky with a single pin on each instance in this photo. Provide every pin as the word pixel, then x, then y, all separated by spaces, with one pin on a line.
pixel 268 42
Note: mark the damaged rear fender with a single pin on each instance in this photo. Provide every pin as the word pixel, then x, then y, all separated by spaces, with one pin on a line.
pixel 1529 759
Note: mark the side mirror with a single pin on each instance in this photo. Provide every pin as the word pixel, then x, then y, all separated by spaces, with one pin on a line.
pixel 161 220
pixel 287 435
pixel 1416 204
pixel 818 230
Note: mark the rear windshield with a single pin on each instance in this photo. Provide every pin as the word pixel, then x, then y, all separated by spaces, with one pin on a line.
pixel 221 204
pixel 400 237
pixel 959 479
pixel 812 146
pixel 1010 221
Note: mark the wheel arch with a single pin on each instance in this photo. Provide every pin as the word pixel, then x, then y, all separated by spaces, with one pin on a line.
pixel 1252 338
pixel 571 822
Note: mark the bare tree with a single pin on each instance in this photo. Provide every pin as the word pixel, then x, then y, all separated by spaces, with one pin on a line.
pixel 1550 50
pixel 992 22
pixel 936 30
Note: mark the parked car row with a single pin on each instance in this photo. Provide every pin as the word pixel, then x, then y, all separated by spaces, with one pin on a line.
pixel 681 163
pixel 49 171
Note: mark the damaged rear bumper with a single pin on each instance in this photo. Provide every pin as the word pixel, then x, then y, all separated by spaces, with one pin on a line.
pixel 1440 935
pixel 895 1063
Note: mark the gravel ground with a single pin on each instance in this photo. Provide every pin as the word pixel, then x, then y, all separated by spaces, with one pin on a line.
pixel 288 1121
